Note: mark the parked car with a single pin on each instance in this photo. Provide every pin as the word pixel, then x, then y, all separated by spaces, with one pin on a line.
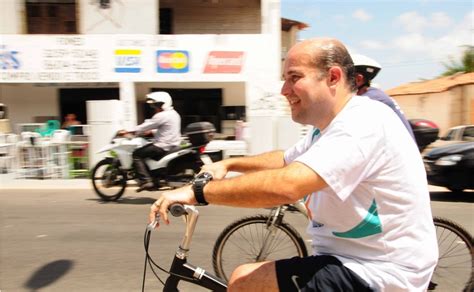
pixel 463 133
pixel 460 133
pixel 451 166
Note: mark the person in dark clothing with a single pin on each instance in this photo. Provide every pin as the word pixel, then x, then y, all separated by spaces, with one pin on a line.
pixel 366 70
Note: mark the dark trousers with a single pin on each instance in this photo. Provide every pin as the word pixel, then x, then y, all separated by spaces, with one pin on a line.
pixel 139 156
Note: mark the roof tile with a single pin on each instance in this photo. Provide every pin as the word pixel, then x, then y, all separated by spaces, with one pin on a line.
pixel 432 86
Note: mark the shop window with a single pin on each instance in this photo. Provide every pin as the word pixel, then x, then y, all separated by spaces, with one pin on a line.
pixel 166 21
pixel 51 16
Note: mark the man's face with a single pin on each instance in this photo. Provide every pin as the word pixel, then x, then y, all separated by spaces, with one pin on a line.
pixel 305 88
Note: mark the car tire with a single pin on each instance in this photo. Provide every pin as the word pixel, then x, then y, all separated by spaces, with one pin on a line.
pixel 455 190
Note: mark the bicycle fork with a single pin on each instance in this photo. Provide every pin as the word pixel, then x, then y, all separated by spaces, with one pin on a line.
pixel 275 219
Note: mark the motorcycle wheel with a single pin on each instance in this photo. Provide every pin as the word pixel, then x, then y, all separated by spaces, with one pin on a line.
pixel 109 180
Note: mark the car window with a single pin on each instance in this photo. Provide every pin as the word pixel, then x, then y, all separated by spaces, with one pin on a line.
pixel 468 134
pixel 450 135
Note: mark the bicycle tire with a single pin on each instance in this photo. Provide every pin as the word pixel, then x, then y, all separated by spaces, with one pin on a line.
pixel 230 249
pixel 119 182
pixel 454 271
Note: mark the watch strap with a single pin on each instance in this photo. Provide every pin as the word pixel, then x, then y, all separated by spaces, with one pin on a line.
pixel 198 187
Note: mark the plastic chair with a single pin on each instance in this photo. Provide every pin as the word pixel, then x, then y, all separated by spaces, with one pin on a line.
pixel 49 128
pixel 60 136
pixel 30 138
pixel 60 153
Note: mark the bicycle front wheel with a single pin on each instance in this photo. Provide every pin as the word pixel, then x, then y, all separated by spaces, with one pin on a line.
pixel 251 240
pixel 454 271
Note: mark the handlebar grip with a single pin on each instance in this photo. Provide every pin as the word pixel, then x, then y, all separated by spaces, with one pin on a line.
pixel 177 210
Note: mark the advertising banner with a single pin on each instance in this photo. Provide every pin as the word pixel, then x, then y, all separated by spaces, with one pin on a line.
pixel 146 58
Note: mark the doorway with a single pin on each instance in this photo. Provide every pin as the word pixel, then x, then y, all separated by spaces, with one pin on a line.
pixel 73 100
pixel 194 105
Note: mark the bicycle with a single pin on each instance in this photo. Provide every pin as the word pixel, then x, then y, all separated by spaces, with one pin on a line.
pixel 268 237
pixel 455 268
pixel 180 269
pixel 258 238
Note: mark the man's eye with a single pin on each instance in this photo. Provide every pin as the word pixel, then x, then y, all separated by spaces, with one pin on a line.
pixel 294 78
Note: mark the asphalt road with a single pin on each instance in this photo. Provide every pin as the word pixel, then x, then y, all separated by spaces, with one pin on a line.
pixel 67 240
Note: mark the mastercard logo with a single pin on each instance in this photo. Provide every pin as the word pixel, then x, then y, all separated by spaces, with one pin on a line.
pixel 172 61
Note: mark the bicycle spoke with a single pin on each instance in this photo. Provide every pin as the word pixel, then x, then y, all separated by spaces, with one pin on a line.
pixel 455 264
pixel 251 240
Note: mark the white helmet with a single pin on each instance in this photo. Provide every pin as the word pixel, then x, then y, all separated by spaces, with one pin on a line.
pixel 366 66
pixel 160 99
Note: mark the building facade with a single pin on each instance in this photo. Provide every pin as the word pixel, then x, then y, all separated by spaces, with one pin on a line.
pixel 447 101
pixel 219 59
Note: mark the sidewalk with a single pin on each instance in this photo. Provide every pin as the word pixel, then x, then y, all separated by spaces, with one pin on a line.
pixel 8 181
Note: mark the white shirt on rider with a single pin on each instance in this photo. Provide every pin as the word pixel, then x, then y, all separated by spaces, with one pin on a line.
pixel 167 124
pixel 375 216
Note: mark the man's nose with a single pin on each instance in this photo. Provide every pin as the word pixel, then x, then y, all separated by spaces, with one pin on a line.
pixel 286 89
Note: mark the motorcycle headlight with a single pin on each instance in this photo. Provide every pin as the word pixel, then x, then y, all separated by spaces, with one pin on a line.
pixel 449 160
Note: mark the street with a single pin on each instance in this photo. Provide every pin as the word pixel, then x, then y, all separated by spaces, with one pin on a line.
pixel 68 240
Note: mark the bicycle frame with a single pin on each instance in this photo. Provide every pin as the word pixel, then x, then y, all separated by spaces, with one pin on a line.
pixel 274 219
pixel 180 268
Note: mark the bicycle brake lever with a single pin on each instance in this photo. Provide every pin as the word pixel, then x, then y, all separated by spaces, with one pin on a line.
pixel 153 224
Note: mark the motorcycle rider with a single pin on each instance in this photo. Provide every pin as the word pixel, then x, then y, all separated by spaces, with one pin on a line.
pixel 166 128
pixel 366 70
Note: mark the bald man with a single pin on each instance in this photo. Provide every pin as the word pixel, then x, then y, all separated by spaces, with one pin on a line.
pixel 371 222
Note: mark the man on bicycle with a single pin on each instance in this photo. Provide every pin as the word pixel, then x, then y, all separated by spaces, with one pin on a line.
pixel 371 221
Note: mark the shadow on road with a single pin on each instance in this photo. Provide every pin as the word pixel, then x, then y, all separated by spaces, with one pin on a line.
pixel 129 201
pixel 447 196
pixel 48 274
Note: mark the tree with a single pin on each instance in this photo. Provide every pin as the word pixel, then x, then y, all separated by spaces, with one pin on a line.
pixel 466 65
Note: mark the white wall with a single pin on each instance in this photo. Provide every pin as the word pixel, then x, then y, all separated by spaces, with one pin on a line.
pixel 11 12
pixel 123 17
pixel 25 101
pixel 447 109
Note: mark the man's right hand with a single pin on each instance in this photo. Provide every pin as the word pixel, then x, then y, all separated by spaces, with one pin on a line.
pixel 218 170
pixel 122 133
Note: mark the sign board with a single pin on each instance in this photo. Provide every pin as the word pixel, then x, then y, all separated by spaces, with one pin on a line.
pixel 146 58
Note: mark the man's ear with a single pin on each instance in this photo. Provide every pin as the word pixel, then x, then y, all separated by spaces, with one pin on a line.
pixel 359 78
pixel 334 76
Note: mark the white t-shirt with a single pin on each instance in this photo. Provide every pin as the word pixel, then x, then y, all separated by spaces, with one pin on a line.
pixel 375 215
pixel 168 129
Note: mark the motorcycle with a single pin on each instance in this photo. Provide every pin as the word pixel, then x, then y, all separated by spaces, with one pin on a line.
pixel 177 168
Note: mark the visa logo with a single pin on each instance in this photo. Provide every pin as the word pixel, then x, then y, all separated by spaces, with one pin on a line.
pixel 128 61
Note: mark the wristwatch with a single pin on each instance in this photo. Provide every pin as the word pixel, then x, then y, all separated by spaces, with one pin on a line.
pixel 198 187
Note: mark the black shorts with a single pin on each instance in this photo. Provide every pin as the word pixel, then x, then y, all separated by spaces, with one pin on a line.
pixel 317 273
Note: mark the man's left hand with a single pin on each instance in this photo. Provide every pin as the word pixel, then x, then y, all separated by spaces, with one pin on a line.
pixel 184 195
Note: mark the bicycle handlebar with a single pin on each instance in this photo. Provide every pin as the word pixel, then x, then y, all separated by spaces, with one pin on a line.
pixel 178 210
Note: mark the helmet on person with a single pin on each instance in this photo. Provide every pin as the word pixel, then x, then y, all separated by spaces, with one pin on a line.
pixel 366 66
pixel 160 99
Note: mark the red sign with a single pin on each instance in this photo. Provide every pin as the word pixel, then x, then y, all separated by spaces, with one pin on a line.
pixel 224 62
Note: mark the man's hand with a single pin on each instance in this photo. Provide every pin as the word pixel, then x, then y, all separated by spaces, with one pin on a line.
pixel 184 195
pixel 218 170
pixel 122 133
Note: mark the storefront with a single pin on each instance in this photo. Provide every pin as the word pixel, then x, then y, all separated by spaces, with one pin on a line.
pixel 218 78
